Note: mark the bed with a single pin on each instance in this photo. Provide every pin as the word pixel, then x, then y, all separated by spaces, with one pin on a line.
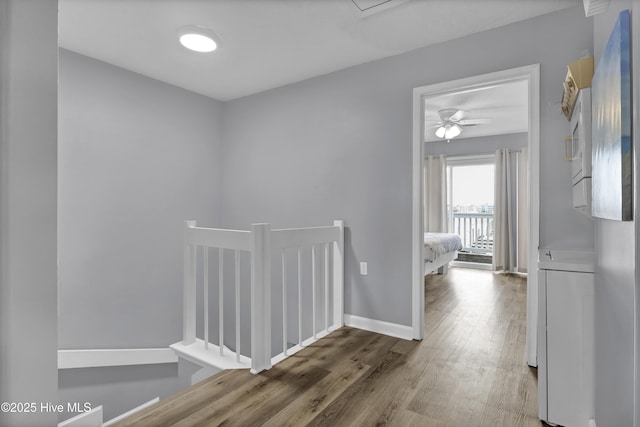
pixel 439 250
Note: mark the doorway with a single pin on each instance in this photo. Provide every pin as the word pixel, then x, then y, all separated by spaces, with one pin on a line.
pixel 530 74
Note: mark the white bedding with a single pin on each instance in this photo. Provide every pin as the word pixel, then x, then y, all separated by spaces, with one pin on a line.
pixel 437 244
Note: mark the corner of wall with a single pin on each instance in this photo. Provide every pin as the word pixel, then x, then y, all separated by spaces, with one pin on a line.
pixel 28 79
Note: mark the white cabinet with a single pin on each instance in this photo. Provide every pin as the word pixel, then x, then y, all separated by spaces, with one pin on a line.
pixel 566 343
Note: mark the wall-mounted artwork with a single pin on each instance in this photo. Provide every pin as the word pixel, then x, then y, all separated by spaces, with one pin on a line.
pixel 612 174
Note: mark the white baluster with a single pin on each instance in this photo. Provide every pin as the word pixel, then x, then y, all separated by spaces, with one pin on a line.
pixel 221 299
pixel 464 230
pixel 475 220
pixel 313 290
pixel 205 294
pixel 338 276
pixel 237 261
pixel 326 286
pixel 189 289
pixel 483 224
pixel 299 297
pixel 284 302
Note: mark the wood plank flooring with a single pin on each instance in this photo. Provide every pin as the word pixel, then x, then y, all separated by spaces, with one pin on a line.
pixel 468 371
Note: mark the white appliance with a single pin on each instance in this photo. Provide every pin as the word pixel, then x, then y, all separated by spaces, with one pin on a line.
pixel 566 337
pixel 580 152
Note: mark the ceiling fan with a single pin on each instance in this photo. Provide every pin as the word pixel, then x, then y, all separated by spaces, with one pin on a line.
pixel 452 122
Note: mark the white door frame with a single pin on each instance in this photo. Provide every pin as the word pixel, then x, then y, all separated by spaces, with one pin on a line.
pixel 530 73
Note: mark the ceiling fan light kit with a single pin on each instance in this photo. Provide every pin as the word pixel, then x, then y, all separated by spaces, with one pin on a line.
pixel 452 122
pixel 448 131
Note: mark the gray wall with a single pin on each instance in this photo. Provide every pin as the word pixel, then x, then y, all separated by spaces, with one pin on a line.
pixel 339 146
pixel 616 272
pixel 28 96
pixel 136 158
pixel 118 388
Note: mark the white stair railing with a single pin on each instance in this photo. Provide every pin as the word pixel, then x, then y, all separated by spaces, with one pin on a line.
pixel 261 243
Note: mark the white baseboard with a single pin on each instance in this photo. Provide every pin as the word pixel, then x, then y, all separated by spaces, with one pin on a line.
pixel 474 265
pixel 379 326
pixel 94 358
pixel 131 412
pixel 92 418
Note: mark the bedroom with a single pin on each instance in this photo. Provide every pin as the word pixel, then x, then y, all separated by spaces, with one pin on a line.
pixel 361 124
pixel 477 180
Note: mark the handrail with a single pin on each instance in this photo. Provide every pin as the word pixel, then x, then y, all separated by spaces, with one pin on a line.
pixel 472 215
pixel 293 237
pixel 213 237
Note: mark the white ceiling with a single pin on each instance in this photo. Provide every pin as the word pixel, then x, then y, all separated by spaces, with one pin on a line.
pixel 506 105
pixel 271 43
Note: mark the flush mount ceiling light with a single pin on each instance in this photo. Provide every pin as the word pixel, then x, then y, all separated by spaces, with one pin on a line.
pixel 198 39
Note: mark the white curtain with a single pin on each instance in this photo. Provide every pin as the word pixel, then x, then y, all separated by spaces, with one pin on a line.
pixel 435 194
pixel 523 209
pixel 511 210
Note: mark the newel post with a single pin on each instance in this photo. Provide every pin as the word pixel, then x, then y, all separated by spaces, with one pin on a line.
pixel 189 288
pixel 338 276
pixel 260 297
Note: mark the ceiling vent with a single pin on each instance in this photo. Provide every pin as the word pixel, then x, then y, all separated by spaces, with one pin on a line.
pixel 593 7
pixel 369 7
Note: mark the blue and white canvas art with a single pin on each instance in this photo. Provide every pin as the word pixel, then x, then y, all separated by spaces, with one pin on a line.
pixel 612 173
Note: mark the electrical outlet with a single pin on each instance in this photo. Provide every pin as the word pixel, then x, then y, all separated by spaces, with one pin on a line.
pixel 363 268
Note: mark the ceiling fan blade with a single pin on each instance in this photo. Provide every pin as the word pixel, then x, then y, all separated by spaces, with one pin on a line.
pixel 473 122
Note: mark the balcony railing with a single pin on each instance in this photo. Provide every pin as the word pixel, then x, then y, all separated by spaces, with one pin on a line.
pixel 475 230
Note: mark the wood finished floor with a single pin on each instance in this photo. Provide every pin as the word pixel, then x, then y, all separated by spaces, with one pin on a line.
pixel 468 371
